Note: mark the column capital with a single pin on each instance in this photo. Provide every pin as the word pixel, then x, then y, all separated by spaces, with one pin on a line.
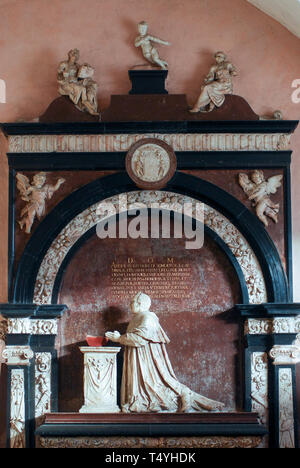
pixel 17 355
pixel 284 355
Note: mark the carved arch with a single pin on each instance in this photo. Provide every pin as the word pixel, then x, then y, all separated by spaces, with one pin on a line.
pixel 217 200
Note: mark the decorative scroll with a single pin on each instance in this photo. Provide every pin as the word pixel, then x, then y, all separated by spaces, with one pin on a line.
pixel 17 409
pixel 32 326
pixel 286 409
pixel 151 442
pixel 17 355
pixel 42 383
pixel 179 142
pixel 285 355
pixel 169 201
pixel 269 326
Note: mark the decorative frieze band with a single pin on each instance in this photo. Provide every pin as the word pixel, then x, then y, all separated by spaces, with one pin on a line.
pixel 32 326
pixel 179 142
pixel 268 326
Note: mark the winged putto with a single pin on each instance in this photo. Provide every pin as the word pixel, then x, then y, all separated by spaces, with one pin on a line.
pixel 35 195
pixel 258 190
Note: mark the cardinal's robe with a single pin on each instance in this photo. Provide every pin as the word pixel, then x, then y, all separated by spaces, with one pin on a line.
pixel 149 383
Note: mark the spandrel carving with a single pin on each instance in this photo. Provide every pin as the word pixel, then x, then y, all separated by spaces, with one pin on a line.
pixel 258 191
pixel 35 195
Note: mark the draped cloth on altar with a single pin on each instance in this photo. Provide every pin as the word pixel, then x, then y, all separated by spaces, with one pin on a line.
pixel 149 383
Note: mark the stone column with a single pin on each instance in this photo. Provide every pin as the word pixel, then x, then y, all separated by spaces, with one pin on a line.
pixel 18 359
pixel 100 380
pixel 285 357
pixel 31 357
pixel 270 328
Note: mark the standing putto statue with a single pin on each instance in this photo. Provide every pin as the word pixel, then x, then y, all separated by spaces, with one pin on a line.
pixel 217 83
pixel 149 383
pixel 150 53
pixel 75 81
pixel 35 196
pixel 258 190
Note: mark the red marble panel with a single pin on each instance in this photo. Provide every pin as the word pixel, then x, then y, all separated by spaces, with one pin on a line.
pixel 204 333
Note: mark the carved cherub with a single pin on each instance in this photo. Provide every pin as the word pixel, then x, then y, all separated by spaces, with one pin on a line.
pixel 258 190
pixel 35 195
pixel 150 53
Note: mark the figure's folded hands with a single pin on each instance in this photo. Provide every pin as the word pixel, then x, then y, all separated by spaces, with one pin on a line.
pixel 113 336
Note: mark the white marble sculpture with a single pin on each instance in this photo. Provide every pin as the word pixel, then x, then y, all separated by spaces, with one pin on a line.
pixel 145 40
pixel 75 81
pixel 258 190
pixel 35 196
pixel 100 380
pixel 217 83
pixel 149 383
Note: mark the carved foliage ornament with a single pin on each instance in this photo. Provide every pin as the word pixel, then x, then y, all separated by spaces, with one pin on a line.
pixel 42 384
pixel 150 442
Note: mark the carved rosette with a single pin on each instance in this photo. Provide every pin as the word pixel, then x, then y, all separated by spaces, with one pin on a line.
pixel 17 409
pixel 151 442
pixel 42 383
pixel 168 201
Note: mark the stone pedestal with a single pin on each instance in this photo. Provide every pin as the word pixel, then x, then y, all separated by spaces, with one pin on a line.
pixel 148 81
pixel 100 380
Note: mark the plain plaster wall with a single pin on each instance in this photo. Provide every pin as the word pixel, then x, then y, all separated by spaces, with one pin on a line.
pixel 36 35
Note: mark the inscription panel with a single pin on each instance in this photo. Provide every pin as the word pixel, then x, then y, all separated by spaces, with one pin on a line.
pixel 168 278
